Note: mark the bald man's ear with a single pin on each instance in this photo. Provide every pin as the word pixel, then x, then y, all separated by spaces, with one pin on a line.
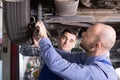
pixel 98 45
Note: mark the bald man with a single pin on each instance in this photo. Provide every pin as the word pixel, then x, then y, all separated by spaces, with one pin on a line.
pixel 96 41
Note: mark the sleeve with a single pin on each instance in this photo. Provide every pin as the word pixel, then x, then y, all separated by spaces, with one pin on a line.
pixel 59 65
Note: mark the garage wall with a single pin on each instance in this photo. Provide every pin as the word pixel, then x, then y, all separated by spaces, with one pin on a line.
pixel 5 55
pixel 0 19
pixel 0 41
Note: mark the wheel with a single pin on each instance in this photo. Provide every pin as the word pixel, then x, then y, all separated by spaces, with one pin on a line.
pixel 16 14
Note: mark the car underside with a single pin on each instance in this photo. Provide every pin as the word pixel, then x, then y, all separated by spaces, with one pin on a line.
pixel 20 17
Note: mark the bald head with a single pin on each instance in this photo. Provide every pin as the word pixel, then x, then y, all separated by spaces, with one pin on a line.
pixel 106 34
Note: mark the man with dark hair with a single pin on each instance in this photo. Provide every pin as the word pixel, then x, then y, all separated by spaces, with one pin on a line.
pixel 66 41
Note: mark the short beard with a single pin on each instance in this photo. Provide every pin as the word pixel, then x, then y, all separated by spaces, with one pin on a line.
pixel 84 47
pixel 88 51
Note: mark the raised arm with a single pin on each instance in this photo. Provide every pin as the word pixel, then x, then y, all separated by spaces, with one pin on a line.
pixel 53 60
pixel 89 70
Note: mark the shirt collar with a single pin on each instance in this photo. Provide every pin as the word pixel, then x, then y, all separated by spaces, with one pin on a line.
pixel 97 58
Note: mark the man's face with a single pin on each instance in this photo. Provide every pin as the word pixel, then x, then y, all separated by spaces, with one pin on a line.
pixel 87 41
pixel 67 41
